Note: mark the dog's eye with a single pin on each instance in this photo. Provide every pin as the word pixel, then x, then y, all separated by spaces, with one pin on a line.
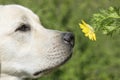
pixel 23 28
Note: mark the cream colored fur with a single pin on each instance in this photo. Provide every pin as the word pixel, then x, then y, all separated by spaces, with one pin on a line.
pixel 22 54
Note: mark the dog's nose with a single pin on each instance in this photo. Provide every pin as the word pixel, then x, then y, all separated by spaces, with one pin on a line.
pixel 69 38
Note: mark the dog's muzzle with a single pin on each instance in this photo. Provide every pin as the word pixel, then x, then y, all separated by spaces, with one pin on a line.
pixel 69 40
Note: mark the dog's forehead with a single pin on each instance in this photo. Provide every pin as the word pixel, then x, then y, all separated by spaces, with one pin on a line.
pixel 17 12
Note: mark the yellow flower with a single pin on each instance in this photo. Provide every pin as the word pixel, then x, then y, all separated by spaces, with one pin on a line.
pixel 88 31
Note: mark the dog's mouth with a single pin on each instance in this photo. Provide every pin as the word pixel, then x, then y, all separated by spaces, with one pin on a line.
pixel 51 68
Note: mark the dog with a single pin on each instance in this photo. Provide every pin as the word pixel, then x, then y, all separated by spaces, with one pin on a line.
pixel 27 49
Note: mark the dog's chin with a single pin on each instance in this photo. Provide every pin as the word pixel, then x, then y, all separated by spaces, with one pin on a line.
pixel 47 70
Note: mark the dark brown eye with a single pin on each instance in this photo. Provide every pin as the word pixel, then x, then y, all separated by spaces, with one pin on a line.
pixel 23 28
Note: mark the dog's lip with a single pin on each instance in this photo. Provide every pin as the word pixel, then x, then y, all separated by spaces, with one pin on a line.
pixel 49 69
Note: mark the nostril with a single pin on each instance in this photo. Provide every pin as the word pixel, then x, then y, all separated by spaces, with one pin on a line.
pixel 69 38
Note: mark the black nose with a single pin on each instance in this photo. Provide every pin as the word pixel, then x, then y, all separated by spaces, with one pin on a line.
pixel 69 38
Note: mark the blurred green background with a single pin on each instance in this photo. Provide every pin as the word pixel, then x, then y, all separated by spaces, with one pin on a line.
pixel 98 60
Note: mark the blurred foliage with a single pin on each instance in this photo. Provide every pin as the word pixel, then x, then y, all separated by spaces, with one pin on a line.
pixel 98 60
pixel 107 20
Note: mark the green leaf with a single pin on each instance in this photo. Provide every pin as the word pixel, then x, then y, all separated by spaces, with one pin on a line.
pixel 107 21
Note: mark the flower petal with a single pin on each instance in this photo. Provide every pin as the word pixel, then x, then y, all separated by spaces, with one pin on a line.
pixel 88 31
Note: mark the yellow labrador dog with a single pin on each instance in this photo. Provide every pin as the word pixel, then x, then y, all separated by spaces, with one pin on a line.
pixel 27 49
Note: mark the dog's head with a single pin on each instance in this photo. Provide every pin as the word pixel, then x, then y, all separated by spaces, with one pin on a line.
pixel 27 49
